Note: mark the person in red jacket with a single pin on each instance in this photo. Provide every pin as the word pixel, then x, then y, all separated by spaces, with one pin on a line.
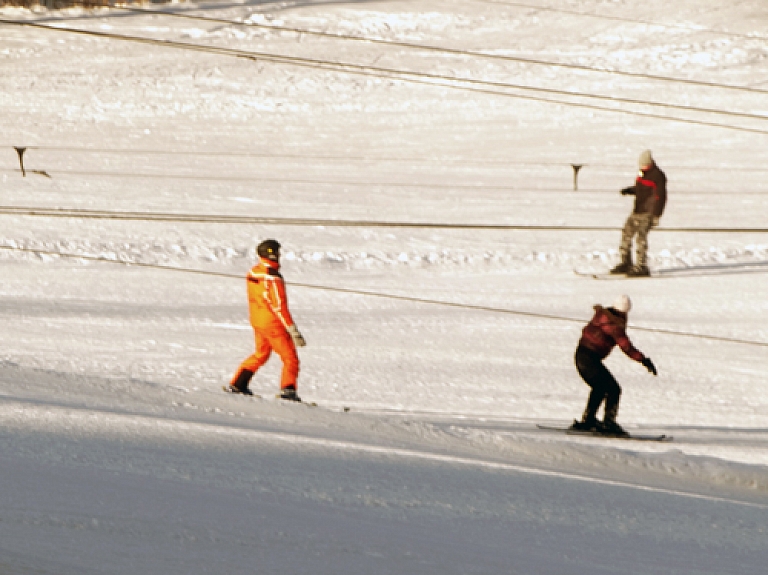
pixel 273 326
pixel 650 191
pixel 607 329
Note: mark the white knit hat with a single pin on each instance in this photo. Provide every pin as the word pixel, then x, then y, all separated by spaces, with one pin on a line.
pixel 622 304
pixel 645 159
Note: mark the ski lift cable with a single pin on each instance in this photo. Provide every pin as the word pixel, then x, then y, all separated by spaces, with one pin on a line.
pixel 367 293
pixel 449 82
pixel 363 158
pixel 173 12
pixel 328 222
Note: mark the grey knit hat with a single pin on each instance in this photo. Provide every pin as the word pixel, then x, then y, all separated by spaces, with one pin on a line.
pixel 645 159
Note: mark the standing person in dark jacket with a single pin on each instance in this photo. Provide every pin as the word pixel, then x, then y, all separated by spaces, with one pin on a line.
pixel 606 330
pixel 650 191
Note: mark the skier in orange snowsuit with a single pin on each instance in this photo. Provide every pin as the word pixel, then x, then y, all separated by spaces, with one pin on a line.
pixel 272 324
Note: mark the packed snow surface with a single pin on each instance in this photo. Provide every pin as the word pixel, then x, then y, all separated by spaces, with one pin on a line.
pixel 425 202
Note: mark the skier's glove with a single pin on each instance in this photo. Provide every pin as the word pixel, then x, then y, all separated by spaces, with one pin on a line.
pixel 630 191
pixel 297 338
pixel 648 364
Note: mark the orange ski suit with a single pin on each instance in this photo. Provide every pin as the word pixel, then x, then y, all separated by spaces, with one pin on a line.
pixel 270 319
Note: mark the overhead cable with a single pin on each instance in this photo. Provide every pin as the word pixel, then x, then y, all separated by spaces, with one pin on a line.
pixel 366 293
pixel 329 223
pixel 675 25
pixel 472 53
pixel 364 158
pixel 450 82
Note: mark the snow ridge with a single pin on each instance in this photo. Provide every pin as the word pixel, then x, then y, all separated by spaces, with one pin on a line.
pixel 164 253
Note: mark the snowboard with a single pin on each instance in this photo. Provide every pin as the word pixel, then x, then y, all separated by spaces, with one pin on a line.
pixel 630 437
pixel 609 276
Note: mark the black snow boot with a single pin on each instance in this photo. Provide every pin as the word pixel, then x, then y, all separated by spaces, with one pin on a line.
pixel 585 425
pixel 290 394
pixel 589 420
pixel 639 272
pixel 623 268
pixel 240 385
pixel 609 425
pixel 612 428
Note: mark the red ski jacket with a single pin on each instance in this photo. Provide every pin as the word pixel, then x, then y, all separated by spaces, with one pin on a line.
pixel 267 300
pixel 607 329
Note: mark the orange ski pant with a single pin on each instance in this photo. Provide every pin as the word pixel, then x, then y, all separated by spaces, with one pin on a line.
pixel 278 340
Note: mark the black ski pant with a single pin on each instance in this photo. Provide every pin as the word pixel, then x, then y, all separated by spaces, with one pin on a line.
pixel 604 385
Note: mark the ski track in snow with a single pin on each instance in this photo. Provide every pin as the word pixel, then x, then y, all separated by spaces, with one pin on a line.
pixel 101 422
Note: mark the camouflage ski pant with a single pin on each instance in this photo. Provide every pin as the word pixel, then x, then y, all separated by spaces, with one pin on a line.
pixel 636 225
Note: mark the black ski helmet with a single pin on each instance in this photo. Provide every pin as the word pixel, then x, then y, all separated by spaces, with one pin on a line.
pixel 268 249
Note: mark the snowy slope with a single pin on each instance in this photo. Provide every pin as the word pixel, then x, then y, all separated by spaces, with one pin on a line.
pixel 121 455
